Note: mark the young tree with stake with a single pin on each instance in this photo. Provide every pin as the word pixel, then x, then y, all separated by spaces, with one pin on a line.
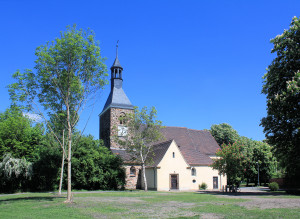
pixel 143 131
pixel 68 73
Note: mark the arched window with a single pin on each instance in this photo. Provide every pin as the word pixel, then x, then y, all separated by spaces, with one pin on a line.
pixel 173 154
pixel 122 129
pixel 121 119
pixel 194 173
pixel 132 171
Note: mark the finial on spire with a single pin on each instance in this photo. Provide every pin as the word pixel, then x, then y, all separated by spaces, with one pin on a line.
pixel 117 48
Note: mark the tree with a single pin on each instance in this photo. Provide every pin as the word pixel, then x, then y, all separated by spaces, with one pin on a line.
pixel 282 87
pixel 69 71
pixel 18 135
pixel 240 160
pixel 259 156
pixel 143 131
pixel 224 134
pixel 231 162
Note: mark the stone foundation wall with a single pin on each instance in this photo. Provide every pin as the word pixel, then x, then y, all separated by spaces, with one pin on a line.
pixel 133 181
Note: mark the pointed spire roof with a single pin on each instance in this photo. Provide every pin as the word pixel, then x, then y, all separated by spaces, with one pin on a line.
pixel 117 97
pixel 117 62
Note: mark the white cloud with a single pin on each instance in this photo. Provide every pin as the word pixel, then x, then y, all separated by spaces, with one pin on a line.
pixel 33 116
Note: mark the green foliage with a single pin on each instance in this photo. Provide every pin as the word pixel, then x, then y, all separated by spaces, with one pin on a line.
pixel 231 162
pixel 14 173
pixel 46 166
pixel 224 134
pixel 240 161
pixel 242 155
pixel 95 167
pixel 203 186
pixel 18 135
pixel 282 87
pixel 259 155
pixel 273 186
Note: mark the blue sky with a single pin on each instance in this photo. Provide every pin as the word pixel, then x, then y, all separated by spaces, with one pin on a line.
pixel 198 62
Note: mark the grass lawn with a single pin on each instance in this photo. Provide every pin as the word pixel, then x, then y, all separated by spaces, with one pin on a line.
pixel 139 204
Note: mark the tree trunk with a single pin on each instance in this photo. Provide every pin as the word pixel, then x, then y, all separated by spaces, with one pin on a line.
pixel 61 173
pixel 69 193
pixel 62 165
pixel 69 196
pixel 144 178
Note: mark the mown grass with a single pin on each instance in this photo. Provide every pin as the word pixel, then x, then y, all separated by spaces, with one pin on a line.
pixel 136 204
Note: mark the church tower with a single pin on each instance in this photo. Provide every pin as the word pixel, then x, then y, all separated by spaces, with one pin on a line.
pixel 116 106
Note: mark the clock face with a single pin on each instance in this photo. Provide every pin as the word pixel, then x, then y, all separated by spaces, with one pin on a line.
pixel 122 130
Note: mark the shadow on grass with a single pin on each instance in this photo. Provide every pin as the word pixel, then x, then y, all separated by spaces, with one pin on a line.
pixel 245 193
pixel 31 199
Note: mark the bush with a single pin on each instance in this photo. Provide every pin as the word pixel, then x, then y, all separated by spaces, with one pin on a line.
pixel 15 174
pixel 203 186
pixel 94 167
pixel 273 186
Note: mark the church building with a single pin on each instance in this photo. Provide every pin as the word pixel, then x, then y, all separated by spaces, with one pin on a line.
pixel 181 162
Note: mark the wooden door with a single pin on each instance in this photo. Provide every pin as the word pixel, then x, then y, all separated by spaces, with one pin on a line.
pixel 174 181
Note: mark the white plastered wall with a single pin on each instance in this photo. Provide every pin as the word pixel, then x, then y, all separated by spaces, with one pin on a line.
pixel 178 165
pixel 169 165
pixel 151 178
pixel 205 174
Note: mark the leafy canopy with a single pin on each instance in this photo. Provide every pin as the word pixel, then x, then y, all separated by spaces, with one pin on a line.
pixel 224 134
pixel 240 160
pixel 19 136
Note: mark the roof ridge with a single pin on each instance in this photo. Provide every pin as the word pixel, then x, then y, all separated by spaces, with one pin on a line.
pixel 163 142
pixel 203 130
pixel 198 130
pixel 176 127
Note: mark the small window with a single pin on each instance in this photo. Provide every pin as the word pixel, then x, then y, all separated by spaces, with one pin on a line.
pixel 173 154
pixel 194 172
pixel 194 181
pixel 132 171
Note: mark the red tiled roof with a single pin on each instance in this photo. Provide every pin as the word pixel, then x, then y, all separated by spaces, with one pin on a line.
pixel 159 151
pixel 195 146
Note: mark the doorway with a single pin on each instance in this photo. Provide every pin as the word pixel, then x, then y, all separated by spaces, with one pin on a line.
pixel 215 182
pixel 174 182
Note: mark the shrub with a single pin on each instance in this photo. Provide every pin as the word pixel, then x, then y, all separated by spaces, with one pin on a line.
pixel 14 174
pixel 273 186
pixel 203 186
